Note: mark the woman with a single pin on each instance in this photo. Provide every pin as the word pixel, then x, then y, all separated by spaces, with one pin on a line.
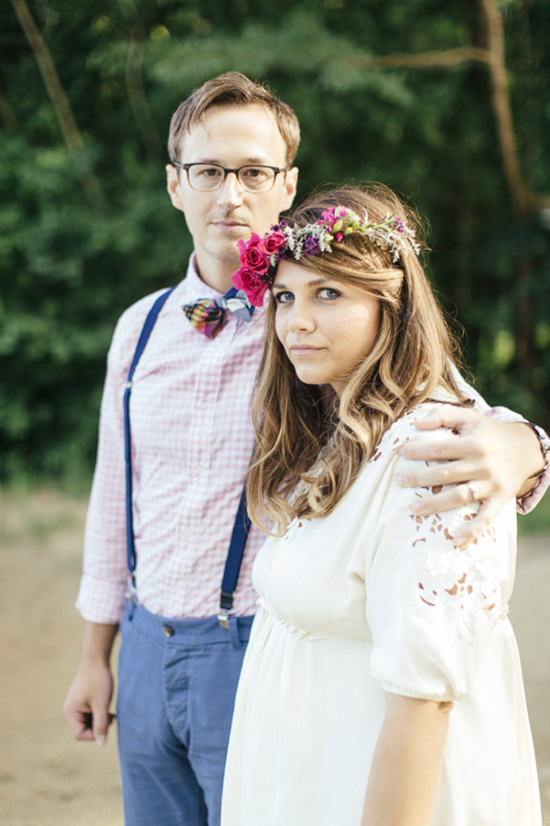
pixel 382 683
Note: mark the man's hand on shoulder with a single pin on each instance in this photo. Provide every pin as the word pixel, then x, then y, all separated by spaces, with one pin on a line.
pixel 491 461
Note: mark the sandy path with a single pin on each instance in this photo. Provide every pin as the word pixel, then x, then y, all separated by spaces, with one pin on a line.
pixel 46 779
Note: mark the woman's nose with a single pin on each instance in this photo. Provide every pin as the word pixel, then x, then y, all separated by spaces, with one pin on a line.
pixel 301 316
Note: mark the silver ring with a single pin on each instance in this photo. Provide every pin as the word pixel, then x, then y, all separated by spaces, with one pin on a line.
pixel 472 487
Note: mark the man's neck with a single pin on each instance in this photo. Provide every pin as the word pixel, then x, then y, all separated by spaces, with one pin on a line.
pixel 217 274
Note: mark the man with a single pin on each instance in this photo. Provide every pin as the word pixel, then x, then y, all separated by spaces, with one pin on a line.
pixel 232 146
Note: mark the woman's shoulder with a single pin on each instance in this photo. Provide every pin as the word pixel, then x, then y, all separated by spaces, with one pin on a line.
pixel 404 429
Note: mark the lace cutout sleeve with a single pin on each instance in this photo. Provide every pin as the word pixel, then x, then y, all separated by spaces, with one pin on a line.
pixel 431 607
pixel 463 587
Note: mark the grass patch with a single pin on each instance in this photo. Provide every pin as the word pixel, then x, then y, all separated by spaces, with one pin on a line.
pixel 538 521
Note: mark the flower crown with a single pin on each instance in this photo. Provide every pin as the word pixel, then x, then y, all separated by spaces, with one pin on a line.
pixel 259 254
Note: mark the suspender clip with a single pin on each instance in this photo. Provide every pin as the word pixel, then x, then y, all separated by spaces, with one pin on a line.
pixel 226 604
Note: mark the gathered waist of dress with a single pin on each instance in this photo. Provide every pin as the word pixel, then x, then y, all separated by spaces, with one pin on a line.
pixel 267 608
pixel 311 636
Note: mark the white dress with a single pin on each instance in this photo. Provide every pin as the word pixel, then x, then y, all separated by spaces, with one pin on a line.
pixel 371 599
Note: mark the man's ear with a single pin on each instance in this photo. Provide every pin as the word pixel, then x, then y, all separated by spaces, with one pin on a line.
pixel 291 182
pixel 172 185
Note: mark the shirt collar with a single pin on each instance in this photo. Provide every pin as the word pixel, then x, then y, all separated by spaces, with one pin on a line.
pixel 193 288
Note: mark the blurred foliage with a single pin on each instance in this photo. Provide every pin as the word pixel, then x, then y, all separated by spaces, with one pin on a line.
pixel 69 268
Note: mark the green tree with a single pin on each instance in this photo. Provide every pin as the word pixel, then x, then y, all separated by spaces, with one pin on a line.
pixel 402 92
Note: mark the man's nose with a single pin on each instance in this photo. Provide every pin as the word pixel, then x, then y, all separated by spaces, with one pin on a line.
pixel 230 193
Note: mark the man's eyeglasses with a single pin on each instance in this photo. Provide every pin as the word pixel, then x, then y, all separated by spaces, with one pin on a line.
pixel 207 177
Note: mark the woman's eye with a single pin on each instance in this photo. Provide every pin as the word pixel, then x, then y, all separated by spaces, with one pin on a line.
pixel 284 297
pixel 329 293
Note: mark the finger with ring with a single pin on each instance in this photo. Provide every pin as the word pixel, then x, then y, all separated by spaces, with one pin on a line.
pixel 472 487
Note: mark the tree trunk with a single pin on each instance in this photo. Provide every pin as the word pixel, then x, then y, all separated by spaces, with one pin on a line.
pixel 67 123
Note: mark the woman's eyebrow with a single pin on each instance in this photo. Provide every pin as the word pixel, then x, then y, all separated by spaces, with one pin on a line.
pixel 314 283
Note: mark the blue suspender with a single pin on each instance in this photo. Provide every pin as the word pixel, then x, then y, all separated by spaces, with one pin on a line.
pixel 142 341
pixel 241 527
pixel 235 553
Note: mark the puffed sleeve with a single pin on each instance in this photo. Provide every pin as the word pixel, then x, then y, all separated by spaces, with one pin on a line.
pixel 430 606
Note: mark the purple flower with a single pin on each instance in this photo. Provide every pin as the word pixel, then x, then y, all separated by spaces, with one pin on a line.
pixel 312 246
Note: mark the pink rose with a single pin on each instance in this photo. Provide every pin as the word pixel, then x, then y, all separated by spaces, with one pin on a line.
pixel 253 282
pixel 252 253
pixel 274 242
pixel 237 280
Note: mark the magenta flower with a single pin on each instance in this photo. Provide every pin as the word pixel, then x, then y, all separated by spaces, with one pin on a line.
pixel 329 217
pixel 273 242
pixel 254 284
pixel 253 254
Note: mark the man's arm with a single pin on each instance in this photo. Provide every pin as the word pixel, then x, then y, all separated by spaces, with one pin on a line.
pixel 87 704
pixel 500 460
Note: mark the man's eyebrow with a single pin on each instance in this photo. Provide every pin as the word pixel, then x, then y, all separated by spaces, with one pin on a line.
pixel 248 162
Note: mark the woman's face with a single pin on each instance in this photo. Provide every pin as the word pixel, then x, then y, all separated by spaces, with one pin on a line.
pixel 327 328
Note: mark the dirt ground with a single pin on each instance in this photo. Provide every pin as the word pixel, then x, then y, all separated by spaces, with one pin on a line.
pixel 47 779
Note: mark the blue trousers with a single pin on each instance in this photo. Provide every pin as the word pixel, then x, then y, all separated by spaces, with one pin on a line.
pixel 176 688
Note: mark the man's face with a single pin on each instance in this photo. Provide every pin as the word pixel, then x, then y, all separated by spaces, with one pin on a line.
pixel 232 136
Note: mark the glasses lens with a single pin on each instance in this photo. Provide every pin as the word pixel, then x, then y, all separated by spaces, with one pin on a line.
pixel 256 178
pixel 205 177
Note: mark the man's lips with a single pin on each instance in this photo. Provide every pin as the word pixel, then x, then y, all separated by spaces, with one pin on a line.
pixel 229 224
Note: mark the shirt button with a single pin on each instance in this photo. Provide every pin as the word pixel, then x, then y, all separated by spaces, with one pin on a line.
pixel 168 630
pixel 198 469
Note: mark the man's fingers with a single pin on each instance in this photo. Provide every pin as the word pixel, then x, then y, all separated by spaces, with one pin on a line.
pixel 102 719
pixel 446 500
pixel 434 476
pixel 440 450
pixel 87 726
pixel 474 527
pixel 80 724
pixel 448 416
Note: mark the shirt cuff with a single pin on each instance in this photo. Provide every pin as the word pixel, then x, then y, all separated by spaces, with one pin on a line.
pixel 530 500
pixel 101 601
pixel 526 503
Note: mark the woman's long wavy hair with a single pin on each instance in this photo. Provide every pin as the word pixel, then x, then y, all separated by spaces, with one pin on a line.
pixel 308 452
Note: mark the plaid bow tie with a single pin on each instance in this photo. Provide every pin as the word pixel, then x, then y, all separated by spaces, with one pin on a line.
pixel 207 315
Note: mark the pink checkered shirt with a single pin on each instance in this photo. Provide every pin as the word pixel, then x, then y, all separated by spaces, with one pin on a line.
pixel 192 440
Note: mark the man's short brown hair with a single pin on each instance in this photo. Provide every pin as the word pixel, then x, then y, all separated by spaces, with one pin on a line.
pixel 232 89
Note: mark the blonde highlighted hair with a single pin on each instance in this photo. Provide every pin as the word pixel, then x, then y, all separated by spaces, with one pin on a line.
pixel 232 89
pixel 308 453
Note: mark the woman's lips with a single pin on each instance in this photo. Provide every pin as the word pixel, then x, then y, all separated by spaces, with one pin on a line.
pixel 304 349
